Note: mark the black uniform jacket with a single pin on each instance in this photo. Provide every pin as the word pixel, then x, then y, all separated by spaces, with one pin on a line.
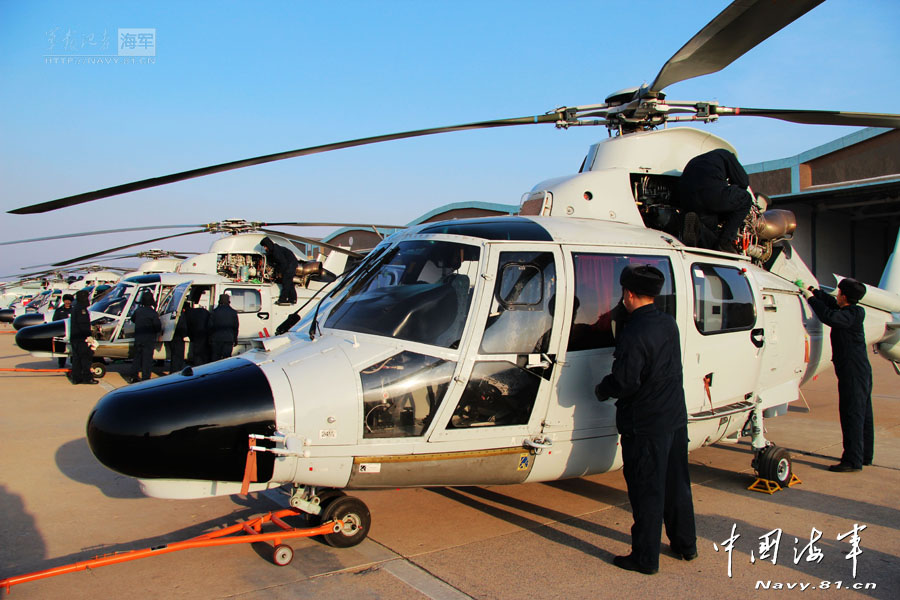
pixel 197 322
pixel 646 375
pixel 146 324
pixel 848 341
pixel 715 169
pixel 283 260
pixel 62 313
pixel 223 324
pixel 80 323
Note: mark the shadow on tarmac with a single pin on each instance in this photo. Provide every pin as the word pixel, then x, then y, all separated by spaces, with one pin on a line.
pixel 464 495
pixel 797 497
pixel 20 541
pixel 76 462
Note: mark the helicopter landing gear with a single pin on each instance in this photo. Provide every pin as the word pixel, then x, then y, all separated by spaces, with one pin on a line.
pixel 98 370
pixel 331 504
pixel 772 464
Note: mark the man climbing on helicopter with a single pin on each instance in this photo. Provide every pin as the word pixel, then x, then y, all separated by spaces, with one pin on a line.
pixel 713 191
pixel 285 263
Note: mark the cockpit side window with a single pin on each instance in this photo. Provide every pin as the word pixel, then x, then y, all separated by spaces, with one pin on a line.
pixel 598 296
pixel 521 314
pixel 402 393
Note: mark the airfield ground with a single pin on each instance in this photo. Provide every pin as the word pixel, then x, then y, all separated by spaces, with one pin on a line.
pixel 557 540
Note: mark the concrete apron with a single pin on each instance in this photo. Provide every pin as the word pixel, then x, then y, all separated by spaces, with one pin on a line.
pixel 541 540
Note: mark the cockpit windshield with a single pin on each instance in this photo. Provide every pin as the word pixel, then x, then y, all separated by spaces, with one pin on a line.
pixel 419 291
pixel 113 301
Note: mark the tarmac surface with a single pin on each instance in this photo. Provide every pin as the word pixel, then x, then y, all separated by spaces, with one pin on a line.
pixel 556 540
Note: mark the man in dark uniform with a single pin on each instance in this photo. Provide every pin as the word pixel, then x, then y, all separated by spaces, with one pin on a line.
pixel 176 346
pixel 63 311
pixel 223 328
pixel 146 331
pixel 79 331
pixel 651 417
pixel 285 263
pixel 713 189
pixel 198 333
pixel 851 365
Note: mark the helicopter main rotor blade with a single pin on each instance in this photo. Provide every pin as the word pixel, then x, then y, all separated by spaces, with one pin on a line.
pixel 739 28
pixel 144 184
pixel 817 117
pixel 98 232
pixel 361 225
pixel 314 242
pixel 93 254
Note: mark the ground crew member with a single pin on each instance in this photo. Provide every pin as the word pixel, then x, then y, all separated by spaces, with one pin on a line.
pixel 198 333
pixel 223 328
pixel 713 189
pixel 651 417
pixel 285 264
pixel 79 332
pixel 176 346
pixel 851 365
pixel 63 311
pixel 146 331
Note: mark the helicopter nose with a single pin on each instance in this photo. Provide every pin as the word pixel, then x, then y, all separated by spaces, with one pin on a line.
pixel 190 425
pixel 27 320
pixel 7 315
pixel 39 338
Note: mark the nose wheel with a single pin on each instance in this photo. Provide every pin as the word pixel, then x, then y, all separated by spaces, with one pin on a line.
pixel 355 516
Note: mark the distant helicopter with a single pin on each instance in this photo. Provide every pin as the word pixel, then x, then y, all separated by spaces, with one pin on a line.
pixel 466 352
pixel 97 279
pixel 235 265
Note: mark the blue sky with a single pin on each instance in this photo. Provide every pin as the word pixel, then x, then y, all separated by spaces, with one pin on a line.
pixel 238 79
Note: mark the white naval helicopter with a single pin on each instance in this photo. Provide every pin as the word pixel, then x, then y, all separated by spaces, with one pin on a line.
pixel 235 265
pixel 466 352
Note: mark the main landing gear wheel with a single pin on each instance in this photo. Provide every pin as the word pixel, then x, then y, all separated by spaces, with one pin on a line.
pixel 283 555
pixel 774 464
pixel 356 518
pixel 98 370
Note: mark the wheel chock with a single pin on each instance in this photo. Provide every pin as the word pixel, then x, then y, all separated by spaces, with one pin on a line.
pixel 766 486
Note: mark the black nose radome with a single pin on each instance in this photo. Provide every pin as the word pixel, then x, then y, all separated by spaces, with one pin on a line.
pixel 7 315
pixel 27 320
pixel 186 426
pixel 39 338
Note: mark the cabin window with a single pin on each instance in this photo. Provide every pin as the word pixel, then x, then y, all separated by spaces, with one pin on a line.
pixel 521 314
pixel 723 300
pixel 497 393
pixel 401 394
pixel 245 300
pixel 598 293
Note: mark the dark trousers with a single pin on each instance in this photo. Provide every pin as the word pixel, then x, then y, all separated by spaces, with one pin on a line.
pixel 221 350
pixel 176 354
pixel 199 350
pixel 729 205
pixel 143 359
pixel 81 361
pixel 659 489
pixel 857 424
pixel 288 289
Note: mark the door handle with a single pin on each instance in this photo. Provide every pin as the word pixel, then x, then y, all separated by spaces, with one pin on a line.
pixel 262 315
pixel 758 337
